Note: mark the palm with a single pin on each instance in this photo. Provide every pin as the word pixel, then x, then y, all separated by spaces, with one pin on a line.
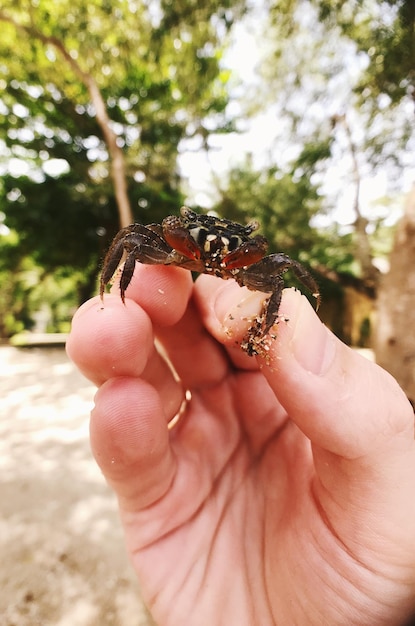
pixel 226 517
pixel 230 509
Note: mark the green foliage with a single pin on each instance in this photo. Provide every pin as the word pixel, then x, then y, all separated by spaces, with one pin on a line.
pixel 385 31
pixel 344 99
pixel 282 205
pixel 286 204
pixel 158 69
pixel 158 72
pixel 29 290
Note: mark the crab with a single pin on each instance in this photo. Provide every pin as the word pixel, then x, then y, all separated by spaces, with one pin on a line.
pixel 210 245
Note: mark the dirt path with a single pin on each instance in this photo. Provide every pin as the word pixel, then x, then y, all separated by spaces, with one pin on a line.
pixel 62 559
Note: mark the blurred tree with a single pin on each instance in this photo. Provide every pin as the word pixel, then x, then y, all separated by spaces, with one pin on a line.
pixel 283 203
pixel 286 204
pixel 362 244
pixel 385 33
pixel 321 78
pixel 372 123
pixel 94 101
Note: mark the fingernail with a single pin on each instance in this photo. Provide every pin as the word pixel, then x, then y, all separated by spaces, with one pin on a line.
pixel 312 344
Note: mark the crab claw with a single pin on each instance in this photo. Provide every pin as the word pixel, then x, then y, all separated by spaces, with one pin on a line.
pixel 179 238
pixel 246 254
pixel 112 260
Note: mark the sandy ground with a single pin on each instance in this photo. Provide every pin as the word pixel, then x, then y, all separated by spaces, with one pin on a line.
pixel 62 559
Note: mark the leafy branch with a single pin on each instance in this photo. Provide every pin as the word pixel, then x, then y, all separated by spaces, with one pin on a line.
pixel 117 163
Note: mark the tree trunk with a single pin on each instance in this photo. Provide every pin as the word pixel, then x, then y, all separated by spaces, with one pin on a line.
pixel 117 164
pixel 369 272
pixel 395 332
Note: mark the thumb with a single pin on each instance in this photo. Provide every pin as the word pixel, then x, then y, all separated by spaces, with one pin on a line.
pixel 342 401
pixel 361 428
pixel 357 418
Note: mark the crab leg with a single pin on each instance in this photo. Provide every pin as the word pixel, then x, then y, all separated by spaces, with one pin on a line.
pixel 267 276
pixel 140 243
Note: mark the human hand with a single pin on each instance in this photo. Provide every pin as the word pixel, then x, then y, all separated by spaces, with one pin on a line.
pixel 284 494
